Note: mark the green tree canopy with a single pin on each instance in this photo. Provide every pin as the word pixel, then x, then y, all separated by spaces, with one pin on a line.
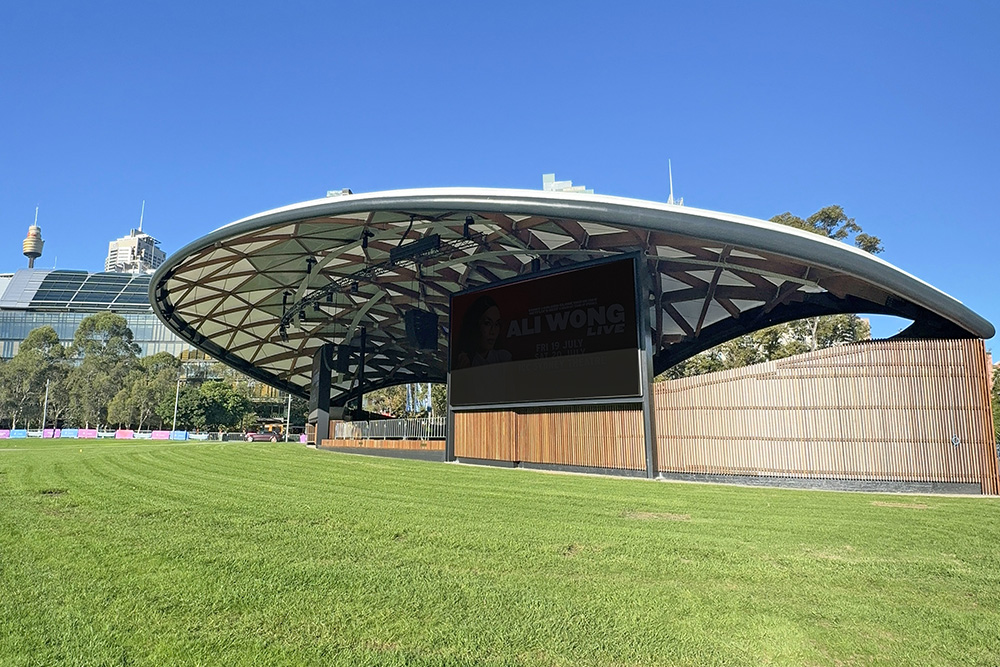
pixel 106 335
pixel 152 381
pixel 832 222
pixel 46 341
pixel 40 361
pixel 104 346
pixel 222 405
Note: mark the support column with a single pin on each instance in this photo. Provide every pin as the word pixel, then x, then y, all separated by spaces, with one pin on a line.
pixel 646 373
pixel 319 391
pixel 449 442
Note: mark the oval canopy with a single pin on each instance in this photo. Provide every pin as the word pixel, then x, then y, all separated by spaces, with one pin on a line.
pixel 264 293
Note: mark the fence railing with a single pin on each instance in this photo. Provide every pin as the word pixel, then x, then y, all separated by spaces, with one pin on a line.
pixel 430 428
pixel 130 434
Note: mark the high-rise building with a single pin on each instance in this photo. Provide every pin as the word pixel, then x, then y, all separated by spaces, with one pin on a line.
pixel 135 253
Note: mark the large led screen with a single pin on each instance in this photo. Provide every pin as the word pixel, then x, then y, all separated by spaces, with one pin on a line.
pixel 565 336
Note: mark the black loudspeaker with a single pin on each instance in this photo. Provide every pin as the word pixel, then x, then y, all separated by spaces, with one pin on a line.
pixel 421 329
pixel 344 358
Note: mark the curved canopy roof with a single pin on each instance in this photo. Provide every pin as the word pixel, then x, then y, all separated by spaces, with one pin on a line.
pixel 263 293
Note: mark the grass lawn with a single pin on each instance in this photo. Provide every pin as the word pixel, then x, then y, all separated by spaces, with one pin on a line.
pixel 122 553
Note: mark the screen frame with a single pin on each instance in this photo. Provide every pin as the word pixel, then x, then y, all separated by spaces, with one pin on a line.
pixel 641 343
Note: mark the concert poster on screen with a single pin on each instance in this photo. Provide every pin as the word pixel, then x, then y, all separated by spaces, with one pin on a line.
pixel 565 336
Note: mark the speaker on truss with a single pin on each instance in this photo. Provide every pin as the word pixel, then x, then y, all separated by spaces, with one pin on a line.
pixel 421 329
pixel 344 358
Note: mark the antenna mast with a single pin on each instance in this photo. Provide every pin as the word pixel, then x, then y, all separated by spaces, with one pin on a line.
pixel 670 171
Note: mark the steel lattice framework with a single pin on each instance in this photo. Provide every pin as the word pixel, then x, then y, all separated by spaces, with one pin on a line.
pixel 262 294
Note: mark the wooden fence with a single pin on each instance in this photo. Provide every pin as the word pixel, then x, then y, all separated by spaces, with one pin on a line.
pixel 880 410
pixel 608 436
pixel 382 443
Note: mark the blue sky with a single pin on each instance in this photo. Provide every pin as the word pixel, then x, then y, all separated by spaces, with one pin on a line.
pixel 212 112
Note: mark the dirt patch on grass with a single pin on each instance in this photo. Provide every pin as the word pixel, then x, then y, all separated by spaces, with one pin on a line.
pixel 651 516
pixel 909 506
pixel 53 492
pixel 571 550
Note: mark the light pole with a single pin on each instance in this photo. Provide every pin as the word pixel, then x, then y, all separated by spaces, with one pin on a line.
pixel 45 406
pixel 288 416
pixel 177 395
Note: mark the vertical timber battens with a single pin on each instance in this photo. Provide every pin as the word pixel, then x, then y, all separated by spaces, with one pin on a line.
pixel 907 410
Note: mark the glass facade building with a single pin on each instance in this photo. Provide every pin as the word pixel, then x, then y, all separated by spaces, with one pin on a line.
pixel 32 298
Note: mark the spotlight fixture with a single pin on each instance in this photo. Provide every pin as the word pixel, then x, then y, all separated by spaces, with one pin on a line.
pixel 466 232
pixel 309 264
pixel 329 297
pixel 354 287
pixel 316 308
pixel 365 235
pixel 283 333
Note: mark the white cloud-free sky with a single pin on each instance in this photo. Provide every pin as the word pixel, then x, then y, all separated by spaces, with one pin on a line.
pixel 214 111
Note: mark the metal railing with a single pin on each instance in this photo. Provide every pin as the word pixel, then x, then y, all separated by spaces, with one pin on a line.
pixel 430 428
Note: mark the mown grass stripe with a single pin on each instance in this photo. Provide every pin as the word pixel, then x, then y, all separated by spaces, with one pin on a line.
pixel 250 553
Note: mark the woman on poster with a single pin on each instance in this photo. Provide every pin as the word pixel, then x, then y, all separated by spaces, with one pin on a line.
pixel 478 336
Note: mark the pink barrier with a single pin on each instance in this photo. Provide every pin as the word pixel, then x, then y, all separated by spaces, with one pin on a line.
pixel 160 435
pixel 4 433
pixel 302 438
pixel 124 434
pixel 50 433
pixel 87 433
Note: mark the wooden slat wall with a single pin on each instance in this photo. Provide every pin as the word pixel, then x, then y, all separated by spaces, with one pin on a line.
pixel 594 436
pixel 601 437
pixel 486 435
pixel 432 445
pixel 880 410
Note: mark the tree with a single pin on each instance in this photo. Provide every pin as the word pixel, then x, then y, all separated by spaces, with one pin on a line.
pixel 222 405
pixel 392 401
pixel 23 378
pixel 152 381
pixel 104 346
pixel 832 222
pixel 190 409
pixel 40 361
pixel 439 400
pixel 106 335
pixel 388 401
pixel 46 341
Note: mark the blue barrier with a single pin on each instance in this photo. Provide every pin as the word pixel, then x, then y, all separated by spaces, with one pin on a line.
pixel 70 433
pixel 178 435
pixel 19 433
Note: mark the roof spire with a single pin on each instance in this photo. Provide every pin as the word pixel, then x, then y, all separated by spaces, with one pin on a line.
pixel 670 171
pixel 670 199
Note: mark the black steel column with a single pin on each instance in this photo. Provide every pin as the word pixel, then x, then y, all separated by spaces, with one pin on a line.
pixel 646 374
pixel 319 391
pixel 449 436
pixel 361 371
